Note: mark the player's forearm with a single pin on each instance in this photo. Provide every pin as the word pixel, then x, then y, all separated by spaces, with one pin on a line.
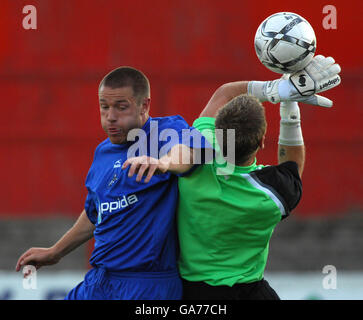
pixel 292 153
pixel 291 143
pixel 81 232
pixel 222 95
pixel 180 159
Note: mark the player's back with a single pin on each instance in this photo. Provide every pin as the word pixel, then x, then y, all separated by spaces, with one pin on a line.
pixel 225 221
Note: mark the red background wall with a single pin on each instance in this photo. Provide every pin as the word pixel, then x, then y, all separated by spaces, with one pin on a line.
pixel 49 78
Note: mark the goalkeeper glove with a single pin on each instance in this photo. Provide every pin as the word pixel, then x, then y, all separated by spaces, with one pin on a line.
pixel 319 75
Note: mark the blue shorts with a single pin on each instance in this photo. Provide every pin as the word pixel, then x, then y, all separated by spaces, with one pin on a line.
pixel 100 284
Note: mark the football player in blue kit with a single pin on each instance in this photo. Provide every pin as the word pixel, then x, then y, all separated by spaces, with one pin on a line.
pixel 135 252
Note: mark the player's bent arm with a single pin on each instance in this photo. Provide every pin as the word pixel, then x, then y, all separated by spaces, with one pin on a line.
pixel 179 159
pixel 222 95
pixel 81 232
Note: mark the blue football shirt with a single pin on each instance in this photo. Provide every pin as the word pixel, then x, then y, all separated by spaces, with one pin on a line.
pixel 135 221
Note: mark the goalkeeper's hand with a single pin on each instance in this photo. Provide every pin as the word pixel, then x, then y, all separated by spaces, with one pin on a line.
pixel 319 75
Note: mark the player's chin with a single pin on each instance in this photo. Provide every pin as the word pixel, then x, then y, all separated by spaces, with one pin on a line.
pixel 117 139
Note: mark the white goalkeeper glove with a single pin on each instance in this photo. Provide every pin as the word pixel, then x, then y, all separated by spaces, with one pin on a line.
pixel 319 75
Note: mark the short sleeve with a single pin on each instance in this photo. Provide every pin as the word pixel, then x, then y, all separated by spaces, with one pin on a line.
pixel 206 126
pixel 90 208
pixel 283 181
pixel 89 204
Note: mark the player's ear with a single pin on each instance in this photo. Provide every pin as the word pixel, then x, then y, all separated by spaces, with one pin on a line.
pixel 262 142
pixel 145 105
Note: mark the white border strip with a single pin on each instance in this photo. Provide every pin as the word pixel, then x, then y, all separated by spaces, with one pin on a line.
pixel 264 189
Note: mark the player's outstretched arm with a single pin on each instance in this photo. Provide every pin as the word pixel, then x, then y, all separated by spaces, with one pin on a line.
pixel 81 232
pixel 179 159
pixel 320 75
pixel 291 143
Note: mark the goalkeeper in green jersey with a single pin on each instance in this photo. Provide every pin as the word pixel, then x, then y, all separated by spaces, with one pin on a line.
pixel 229 206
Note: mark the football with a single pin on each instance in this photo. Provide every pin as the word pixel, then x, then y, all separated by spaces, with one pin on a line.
pixel 285 42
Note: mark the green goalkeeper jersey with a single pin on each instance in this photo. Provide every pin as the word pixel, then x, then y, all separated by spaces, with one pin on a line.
pixel 226 217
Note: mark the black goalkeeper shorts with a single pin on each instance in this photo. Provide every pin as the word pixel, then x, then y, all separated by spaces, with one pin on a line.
pixel 259 290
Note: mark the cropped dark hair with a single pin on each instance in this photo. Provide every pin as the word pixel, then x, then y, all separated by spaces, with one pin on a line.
pixel 128 77
pixel 246 115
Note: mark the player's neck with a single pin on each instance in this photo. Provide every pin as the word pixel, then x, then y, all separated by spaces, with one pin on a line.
pixel 250 161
